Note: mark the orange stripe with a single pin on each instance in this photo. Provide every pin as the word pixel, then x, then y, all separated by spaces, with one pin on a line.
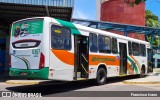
pixel 68 58
pixel 130 70
pixel 136 62
pixel 64 56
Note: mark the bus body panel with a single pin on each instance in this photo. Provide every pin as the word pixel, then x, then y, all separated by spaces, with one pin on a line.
pixel 61 69
pixel 59 66
pixel 109 60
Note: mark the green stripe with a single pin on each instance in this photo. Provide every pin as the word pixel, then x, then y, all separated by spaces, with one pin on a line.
pixel 23 61
pixel 134 65
pixel 73 28
pixel 28 64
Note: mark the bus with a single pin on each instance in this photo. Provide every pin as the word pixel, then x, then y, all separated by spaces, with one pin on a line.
pixel 52 49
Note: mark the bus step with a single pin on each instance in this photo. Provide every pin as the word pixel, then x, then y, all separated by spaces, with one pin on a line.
pixel 81 79
pixel 122 75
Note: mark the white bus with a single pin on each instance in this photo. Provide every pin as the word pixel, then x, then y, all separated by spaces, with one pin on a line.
pixel 49 48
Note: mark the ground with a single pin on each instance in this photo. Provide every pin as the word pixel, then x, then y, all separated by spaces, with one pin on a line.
pixel 82 88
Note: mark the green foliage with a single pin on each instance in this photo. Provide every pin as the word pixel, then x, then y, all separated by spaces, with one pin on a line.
pixel 152 20
pixel 155 42
pixel 133 2
pixel 139 1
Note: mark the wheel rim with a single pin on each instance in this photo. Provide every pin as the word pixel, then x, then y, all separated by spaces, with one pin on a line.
pixel 142 72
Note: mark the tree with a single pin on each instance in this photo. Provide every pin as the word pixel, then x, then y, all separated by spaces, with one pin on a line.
pixel 152 20
pixel 155 42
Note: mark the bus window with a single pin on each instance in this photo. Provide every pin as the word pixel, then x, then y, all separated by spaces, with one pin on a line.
pixel 142 50
pixel 93 26
pixel 130 48
pixel 27 33
pixel 114 45
pixel 104 44
pixel 93 42
pixel 60 38
pixel 135 48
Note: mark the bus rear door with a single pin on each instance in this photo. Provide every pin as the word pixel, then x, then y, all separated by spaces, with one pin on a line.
pixel 150 60
pixel 123 58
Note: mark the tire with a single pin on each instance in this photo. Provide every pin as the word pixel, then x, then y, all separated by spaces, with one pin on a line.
pixel 101 76
pixel 142 74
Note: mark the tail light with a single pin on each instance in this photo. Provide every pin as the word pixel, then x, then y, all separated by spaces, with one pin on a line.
pixel 42 61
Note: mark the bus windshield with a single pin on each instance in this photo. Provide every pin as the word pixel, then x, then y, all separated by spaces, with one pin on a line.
pixel 27 33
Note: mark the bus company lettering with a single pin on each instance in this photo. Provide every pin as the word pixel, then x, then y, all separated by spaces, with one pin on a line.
pixel 24 26
pixel 103 59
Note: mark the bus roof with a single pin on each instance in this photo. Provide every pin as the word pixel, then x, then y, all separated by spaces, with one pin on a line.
pixel 102 32
pixel 91 30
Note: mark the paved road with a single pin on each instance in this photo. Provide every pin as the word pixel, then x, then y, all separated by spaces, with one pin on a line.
pixel 65 89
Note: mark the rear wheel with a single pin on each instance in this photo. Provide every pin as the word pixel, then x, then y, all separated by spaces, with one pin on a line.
pixel 142 74
pixel 101 76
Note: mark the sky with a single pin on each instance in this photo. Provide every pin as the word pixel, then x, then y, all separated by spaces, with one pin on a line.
pixel 86 9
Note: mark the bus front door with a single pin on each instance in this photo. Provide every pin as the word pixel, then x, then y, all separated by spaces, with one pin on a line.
pixel 123 58
pixel 81 57
pixel 150 60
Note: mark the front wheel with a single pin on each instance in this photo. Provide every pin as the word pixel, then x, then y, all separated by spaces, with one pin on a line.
pixel 101 76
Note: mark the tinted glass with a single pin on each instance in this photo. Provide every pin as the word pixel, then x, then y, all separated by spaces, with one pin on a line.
pixel 104 44
pixel 60 38
pixel 130 48
pixel 143 50
pixel 114 45
pixel 135 48
pixel 93 42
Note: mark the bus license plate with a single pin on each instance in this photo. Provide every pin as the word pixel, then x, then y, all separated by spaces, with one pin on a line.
pixel 23 74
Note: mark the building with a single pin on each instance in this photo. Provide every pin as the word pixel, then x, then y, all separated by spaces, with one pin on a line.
pixel 12 10
pixel 120 12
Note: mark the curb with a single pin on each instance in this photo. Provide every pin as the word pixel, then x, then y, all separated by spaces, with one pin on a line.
pixel 126 82
pixel 23 82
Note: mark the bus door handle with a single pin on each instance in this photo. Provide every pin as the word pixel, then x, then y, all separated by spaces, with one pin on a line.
pixel 84 68
pixel 84 58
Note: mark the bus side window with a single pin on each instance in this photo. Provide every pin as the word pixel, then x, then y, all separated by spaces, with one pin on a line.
pixel 60 38
pixel 93 42
pixel 130 48
pixel 143 50
pixel 104 43
pixel 135 48
pixel 114 46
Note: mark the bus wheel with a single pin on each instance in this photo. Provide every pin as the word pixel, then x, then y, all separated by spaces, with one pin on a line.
pixel 101 76
pixel 142 74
